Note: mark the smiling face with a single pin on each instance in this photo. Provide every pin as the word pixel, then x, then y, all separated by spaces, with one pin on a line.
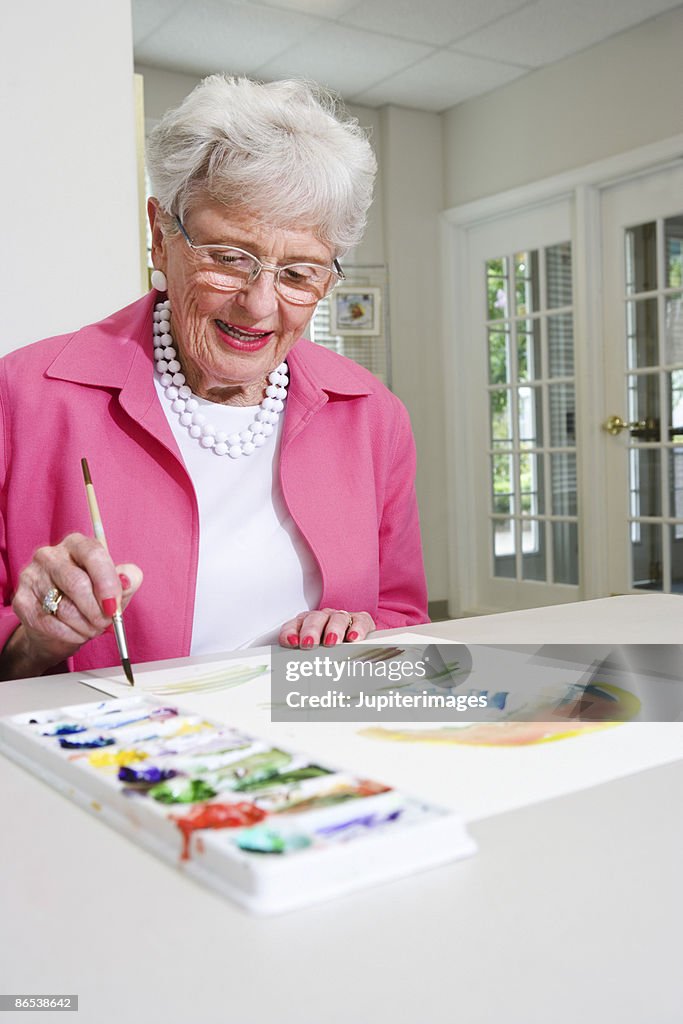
pixel 228 343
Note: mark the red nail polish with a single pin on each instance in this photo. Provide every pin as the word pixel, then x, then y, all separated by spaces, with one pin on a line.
pixel 307 641
pixel 352 635
pixel 125 582
pixel 331 639
pixel 293 640
pixel 109 605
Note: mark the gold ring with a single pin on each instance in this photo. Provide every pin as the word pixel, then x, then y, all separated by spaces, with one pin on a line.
pixel 51 600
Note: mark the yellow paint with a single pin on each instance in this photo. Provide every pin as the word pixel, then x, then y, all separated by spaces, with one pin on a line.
pixel 108 758
pixel 187 729
pixel 491 734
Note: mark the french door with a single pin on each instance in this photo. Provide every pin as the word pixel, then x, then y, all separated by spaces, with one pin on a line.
pixel 642 232
pixel 519 413
pixel 567 365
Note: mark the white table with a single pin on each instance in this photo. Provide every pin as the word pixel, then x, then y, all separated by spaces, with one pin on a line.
pixel 571 910
pixel 633 619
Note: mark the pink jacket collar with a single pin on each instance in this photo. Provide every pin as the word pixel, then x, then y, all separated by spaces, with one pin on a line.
pixel 115 353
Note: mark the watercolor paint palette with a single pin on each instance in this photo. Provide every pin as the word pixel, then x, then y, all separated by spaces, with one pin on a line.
pixel 268 827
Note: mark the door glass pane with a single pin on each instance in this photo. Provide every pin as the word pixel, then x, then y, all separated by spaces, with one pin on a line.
pixel 563 482
pixel 501 418
pixel 641 258
pixel 673 248
pixel 530 406
pixel 675 396
pixel 646 549
pixel 641 333
pixel 676 485
pixel 528 350
pixel 526 283
pixel 676 541
pixel 531 484
pixel 643 404
pixel 503 485
pixel 561 345
pixel 496 286
pixel 562 415
pixel 565 552
pixel 504 548
pixel 533 550
pixel 645 482
pixel 499 355
pixel 673 329
pixel 558 275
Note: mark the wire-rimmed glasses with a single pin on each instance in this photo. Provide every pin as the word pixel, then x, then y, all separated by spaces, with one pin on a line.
pixel 229 269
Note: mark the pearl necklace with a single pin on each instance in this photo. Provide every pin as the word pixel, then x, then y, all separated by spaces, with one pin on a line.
pixel 186 405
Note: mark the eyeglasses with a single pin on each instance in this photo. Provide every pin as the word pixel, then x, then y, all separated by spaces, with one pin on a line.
pixel 229 269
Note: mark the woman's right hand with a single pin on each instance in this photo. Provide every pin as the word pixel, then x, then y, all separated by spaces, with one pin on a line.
pixel 82 570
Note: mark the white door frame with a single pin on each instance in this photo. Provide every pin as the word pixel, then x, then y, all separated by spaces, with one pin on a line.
pixel 582 185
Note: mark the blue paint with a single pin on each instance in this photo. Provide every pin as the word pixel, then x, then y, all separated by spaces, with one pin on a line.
pixel 63 729
pixel 261 839
pixel 86 744
pixel 151 774
pixel 362 821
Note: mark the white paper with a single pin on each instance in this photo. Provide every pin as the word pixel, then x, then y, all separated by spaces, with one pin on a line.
pixel 478 781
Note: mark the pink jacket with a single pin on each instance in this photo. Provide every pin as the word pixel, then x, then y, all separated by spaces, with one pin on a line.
pixel 347 468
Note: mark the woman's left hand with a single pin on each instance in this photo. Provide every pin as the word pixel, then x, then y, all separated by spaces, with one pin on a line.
pixel 328 626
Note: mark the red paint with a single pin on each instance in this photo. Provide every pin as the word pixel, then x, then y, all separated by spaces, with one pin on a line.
pixel 352 635
pixel 125 582
pixel 109 605
pixel 366 787
pixel 331 639
pixel 293 640
pixel 216 816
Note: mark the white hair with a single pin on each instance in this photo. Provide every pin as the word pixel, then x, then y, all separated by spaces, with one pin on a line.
pixel 284 150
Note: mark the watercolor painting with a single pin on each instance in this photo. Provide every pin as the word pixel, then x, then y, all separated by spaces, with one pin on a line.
pixel 604 704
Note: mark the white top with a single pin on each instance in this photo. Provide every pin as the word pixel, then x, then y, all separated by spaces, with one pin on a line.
pixel 255 569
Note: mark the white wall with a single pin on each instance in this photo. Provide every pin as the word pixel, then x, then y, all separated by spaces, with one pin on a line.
pixel 70 249
pixel 616 96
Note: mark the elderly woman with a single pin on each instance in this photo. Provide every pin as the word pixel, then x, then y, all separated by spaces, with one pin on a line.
pixel 261 484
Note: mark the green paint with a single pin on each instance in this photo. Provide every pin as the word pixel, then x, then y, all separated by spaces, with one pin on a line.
pixel 182 791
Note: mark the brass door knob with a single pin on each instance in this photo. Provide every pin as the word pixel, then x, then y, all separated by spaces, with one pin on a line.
pixel 614 425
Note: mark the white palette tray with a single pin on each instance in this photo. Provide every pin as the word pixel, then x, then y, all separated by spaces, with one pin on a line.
pixel 265 826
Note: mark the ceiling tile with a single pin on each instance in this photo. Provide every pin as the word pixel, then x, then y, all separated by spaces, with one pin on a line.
pixel 205 36
pixel 365 49
pixel 431 21
pixel 549 30
pixel 439 82
pixel 330 9
pixel 345 59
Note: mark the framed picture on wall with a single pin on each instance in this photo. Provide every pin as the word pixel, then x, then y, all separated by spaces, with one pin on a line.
pixel 355 310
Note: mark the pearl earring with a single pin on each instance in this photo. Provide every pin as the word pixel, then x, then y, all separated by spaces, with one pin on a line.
pixel 159 281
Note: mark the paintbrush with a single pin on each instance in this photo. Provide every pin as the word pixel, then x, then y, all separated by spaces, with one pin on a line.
pixel 119 631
